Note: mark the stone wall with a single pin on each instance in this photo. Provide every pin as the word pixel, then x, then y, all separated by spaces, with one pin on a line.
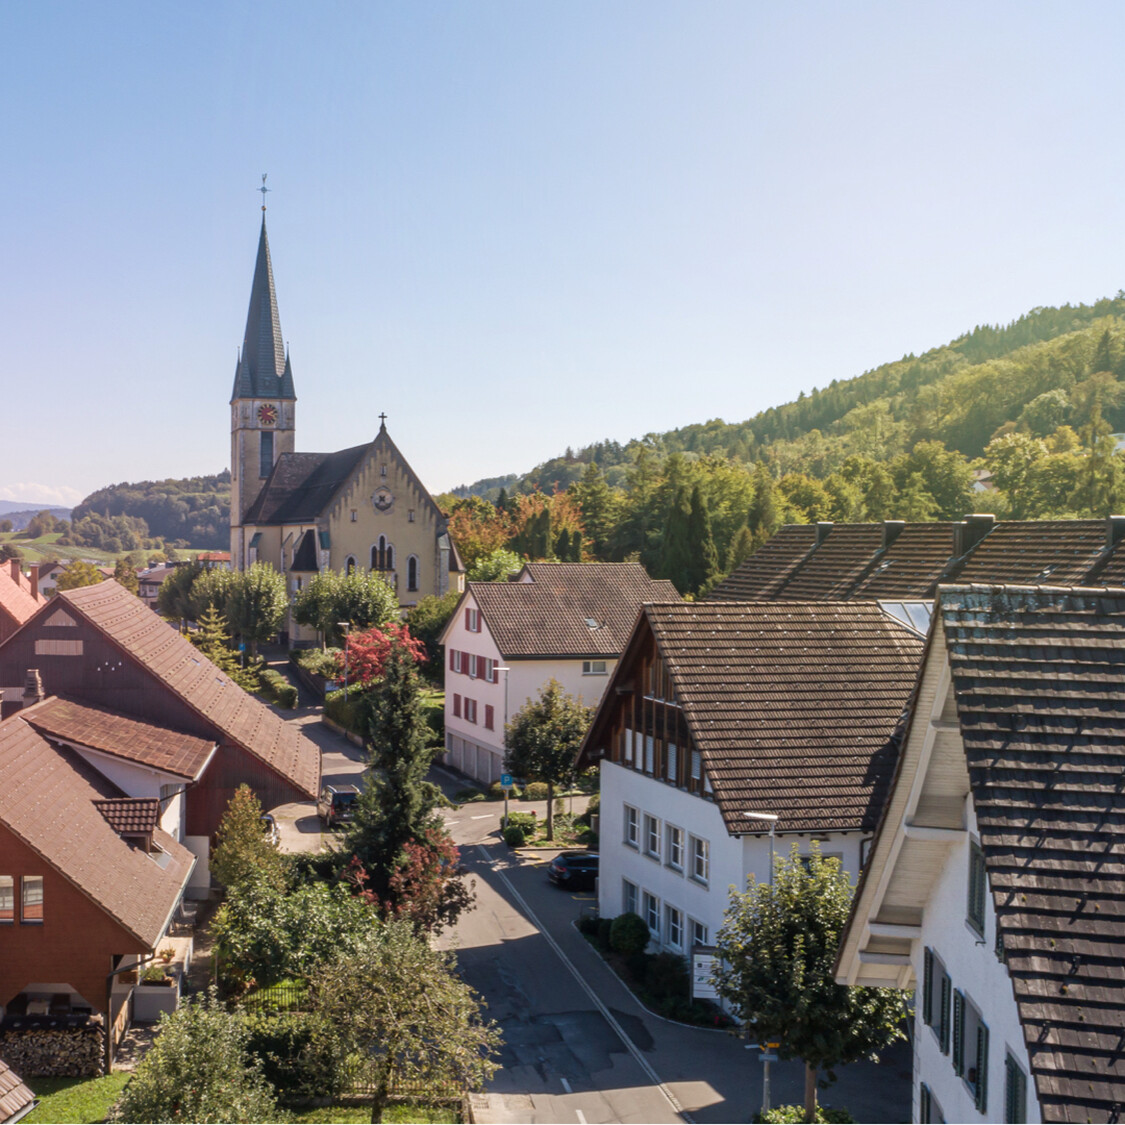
pixel 77 1052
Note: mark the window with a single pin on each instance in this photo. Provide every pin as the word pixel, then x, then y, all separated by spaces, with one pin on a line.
pixel 593 668
pixel 675 851
pixel 632 837
pixel 928 1108
pixel 382 555
pixel 489 717
pixel 470 710
pixel 674 927
pixel 936 992
pixel 970 1048
pixel 652 836
pixel 670 762
pixel 489 670
pixel 472 666
pixel 355 515
pixel 412 573
pixel 696 765
pixel 349 564
pixel 628 897
pixel 456 659
pixel 700 856
pixel 1015 1090
pixel 410 516
pixel 265 455
pixel 652 915
pixel 698 933
pixel 7 898
pixel 31 898
pixel 977 884
pixel 472 620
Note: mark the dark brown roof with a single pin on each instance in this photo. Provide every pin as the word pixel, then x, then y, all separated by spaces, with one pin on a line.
pixel 49 799
pixel 911 566
pixel 167 750
pixel 766 570
pixel 130 816
pixel 834 569
pixel 211 693
pixel 549 615
pixel 794 706
pixel 301 485
pixel 1033 552
pixel 15 1097
pixel 1039 678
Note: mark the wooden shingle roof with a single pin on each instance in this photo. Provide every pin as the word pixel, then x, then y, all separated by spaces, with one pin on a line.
pixel 1039 681
pixel 794 706
pixel 568 609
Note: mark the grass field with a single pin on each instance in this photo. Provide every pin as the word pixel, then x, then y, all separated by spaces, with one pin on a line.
pixel 46 549
pixel 75 1099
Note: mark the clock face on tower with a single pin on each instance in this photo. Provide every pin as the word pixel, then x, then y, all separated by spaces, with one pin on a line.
pixel 267 414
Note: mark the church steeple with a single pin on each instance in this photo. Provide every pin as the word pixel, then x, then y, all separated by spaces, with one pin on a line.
pixel 263 369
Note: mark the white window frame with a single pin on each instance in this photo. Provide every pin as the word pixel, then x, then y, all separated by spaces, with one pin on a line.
pixel 489 670
pixel 650 912
pixel 632 830
pixel 594 668
pixel 472 620
pixel 674 927
pixel 458 660
pixel 674 847
pixel 653 833
pixel 630 897
pixel 699 855
pixel 698 932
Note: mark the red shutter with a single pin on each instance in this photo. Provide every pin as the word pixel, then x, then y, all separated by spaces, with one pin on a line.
pixel 451 668
pixel 468 620
pixel 456 706
pixel 488 715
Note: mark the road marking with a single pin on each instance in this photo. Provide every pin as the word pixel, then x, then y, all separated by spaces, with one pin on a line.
pixel 581 1117
pixel 482 816
pixel 566 1085
pixel 630 1046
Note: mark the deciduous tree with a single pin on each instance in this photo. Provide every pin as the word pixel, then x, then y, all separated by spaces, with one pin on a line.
pixel 242 850
pixel 79 573
pixel 364 656
pixel 257 603
pixel 125 575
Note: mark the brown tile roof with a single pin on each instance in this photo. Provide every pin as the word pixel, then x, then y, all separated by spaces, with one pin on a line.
pixel 15 1097
pixel 548 616
pixel 911 566
pixel 16 601
pixel 128 816
pixel 838 563
pixel 49 799
pixel 171 657
pixel 167 750
pixel 766 570
pixel 794 706
pixel 1039 677
pixel 1034 552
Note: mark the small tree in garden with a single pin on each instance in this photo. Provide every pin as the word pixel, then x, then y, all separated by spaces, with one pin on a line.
pixel 242 850
pixel 364 656
pixel 543 739
pixel 213 640
pixel 257 603
pixel 777 950
pixel 427 621
pixel 401 1005
pixel 198 1069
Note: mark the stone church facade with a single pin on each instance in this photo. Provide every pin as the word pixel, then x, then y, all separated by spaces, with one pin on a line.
pixel 358 508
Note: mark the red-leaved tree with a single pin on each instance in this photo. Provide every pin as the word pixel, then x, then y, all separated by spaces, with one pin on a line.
pixel 364 657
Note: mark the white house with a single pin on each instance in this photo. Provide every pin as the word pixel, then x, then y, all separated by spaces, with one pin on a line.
pixel 722 715
pixel 995 883
pixel 567 621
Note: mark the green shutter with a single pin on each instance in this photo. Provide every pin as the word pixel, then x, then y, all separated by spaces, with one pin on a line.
pixel 976 887
pixel 982 1068
pixel 958 1032
pixel 928 987
pixel 924 1114
pixel 943 1030
pixel 1015 1092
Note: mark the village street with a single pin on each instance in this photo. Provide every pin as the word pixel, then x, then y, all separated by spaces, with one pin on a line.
pixel 577 1046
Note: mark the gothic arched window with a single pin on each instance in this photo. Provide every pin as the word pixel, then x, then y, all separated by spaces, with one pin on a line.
pixel 412 573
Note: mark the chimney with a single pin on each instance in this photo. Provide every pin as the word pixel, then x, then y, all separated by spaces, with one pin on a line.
pixel 970 531
pixel 1114 530
pixel 823 530
pixel 14 568
pixel 892 529
pixel 33 688
pixel 35 582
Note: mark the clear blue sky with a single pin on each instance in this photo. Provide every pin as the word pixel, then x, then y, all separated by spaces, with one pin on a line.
pixel 520 226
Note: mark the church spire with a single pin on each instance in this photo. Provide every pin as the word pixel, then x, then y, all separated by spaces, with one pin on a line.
pixel 263 369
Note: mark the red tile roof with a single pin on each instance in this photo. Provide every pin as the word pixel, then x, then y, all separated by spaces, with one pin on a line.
pixel 15 1097
pixel 549 615
pixel 130 816
pixel 16 601
pixel 49 799
pixel 167 750
pixel 184 670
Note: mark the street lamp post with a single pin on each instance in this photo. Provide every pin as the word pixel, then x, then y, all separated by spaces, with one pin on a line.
pixel 346 626
pixel 771 819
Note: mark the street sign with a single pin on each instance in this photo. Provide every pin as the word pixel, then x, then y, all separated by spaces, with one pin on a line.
pixel 506 781
pixel 768 1056
pixel 703 963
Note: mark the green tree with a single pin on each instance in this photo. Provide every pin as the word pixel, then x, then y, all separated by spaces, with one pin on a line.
pixel 1013 460
pixel 401 1005
pixel 704 568
pixel 427 621
pixel 212 589
pixel 777 950
pixel 598 504
pixel 79 573
pixel 242 851
pixel 1045 413
pixel 257 604
pixel 361 598
pixel 946 475
pixel 676 560
pixel 496 566
pixel 9 551
pixel 198 1069
pixel 5 526
pixel 212 638
pixel 543 739
pixel 125 575
pixel 766 509
pixel 174 598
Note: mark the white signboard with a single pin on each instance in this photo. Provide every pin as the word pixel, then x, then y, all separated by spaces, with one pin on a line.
pixel 703 962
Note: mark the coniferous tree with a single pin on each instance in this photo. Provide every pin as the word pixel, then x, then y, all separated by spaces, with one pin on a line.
pixel 704 569
pixel 676 550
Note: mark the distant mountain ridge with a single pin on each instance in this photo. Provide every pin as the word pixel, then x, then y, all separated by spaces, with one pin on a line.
pixel 21 513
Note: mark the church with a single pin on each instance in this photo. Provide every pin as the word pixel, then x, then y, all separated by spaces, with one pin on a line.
pixel 357 508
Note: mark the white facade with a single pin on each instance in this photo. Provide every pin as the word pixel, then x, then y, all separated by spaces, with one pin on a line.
pixel 667 855
pixel 969 958
pixel 484 689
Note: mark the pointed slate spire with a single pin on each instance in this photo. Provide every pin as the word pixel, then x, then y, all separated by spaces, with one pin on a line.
pixel 263 369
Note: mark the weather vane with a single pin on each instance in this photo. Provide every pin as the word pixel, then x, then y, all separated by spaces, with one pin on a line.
pixel 263 189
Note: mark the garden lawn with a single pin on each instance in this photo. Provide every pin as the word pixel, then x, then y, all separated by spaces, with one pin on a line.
pixel 75 1099
pixel 403 1113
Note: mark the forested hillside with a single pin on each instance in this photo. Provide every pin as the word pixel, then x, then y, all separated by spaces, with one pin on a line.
pixel 1030 406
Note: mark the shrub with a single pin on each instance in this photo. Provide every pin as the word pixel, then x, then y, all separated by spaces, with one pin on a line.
pixel 535 791
pixel 349 713
pixel 320 662
pixel 637 965
pixel 279 688
pixel 784 1113
pixel 666 977
pixel 525 820
pixel 595 803
pixel 588 924
pixel 629 934
pixel 294 1053
pixel 514 836
pixel 605 925
pixel 496 791
pixel 463 796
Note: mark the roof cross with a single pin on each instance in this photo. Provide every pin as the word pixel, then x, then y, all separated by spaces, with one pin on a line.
pixel 383 421
pixel 263 189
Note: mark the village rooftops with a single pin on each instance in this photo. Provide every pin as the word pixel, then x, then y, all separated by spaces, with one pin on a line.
pixel 567 609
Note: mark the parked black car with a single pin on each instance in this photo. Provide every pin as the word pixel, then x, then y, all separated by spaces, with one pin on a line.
pixel 574 870
pixel 336 804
